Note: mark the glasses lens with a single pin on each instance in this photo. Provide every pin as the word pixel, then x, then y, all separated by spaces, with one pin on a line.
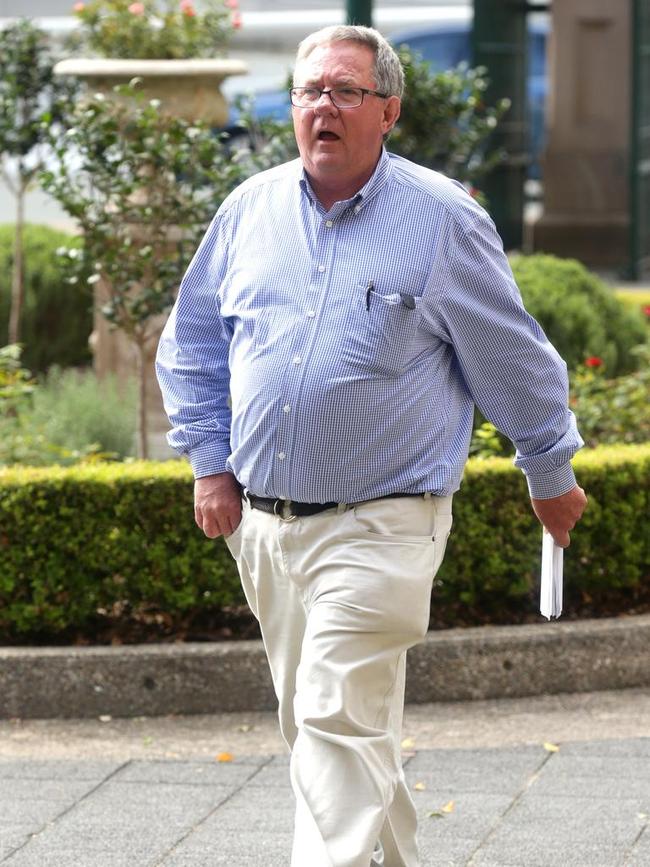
pixel 342 97
pixel 347 97
pixel 305 96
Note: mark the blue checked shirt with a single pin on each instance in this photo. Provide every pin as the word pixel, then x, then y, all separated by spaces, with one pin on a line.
pixel 337 356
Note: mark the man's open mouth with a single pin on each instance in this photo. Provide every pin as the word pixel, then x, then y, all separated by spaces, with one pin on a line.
pixel 326 135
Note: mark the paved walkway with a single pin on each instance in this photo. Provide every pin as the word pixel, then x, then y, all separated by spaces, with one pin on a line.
pixel 551 781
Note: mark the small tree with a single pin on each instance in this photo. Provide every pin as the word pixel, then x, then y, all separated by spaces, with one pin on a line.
pixel 27 87
pixel 445 122
pixel 143 187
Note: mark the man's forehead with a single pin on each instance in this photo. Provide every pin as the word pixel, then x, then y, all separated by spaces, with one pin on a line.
pixel 346 60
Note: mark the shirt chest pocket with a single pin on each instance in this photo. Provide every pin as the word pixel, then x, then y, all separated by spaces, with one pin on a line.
pixel 382 330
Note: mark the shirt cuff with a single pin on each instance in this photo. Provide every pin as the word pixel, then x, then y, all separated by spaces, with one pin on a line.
pixel 209 459
pixel 545 486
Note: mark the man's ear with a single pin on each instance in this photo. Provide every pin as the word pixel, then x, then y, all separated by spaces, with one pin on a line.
pixel 392 109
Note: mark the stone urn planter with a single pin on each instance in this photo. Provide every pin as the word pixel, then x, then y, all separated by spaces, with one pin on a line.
pixel 189 89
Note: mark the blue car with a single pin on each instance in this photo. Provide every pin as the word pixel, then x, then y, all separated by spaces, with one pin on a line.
pixel 444 45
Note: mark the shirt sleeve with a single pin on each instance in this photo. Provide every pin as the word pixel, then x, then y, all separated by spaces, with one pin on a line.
pixel 514 374
pixel 192 360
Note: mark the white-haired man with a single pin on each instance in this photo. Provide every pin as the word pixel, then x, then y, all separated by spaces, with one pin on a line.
pixel 341 318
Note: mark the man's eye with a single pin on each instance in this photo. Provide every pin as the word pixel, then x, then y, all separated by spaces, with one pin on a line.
pixel 346 91
pixel 310 92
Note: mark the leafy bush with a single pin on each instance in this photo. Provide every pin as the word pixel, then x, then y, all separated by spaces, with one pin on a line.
pixel 56 318
pixel 580 314
pixel 445 122
pixel 74 410
pixel 491 570
pixel 66 417
pixel 78 542
pixel 613 410
pixel 637 300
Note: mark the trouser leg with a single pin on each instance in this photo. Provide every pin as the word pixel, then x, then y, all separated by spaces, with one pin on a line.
pixel 341 601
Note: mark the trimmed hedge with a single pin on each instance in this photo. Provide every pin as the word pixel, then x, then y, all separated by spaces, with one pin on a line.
pixel 114 538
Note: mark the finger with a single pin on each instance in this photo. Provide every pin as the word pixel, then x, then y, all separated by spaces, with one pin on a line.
pixel 209 524
pixel 561 538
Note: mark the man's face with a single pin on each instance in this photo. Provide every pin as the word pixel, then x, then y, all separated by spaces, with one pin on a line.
pixel 340 147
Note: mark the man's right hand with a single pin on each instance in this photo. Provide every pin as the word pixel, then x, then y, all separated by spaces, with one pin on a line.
pixel 217 504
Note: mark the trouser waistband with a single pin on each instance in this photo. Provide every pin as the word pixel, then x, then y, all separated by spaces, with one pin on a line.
pixel 291 509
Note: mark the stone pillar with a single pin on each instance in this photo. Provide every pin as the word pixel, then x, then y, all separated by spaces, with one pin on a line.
pixel 586 197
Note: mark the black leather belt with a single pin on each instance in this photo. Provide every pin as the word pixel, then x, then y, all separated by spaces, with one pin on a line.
pixel 291 509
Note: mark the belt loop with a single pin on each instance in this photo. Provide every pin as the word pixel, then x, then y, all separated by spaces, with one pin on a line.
pixel 286 510
pixel 427 495
pixel 341 507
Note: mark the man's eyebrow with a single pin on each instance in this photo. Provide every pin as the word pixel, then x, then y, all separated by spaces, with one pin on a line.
pixel 341 82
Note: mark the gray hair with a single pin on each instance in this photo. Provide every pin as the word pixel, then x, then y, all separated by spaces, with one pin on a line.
pixel 387 69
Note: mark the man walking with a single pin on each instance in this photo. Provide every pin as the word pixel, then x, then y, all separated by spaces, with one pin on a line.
pixel 341 318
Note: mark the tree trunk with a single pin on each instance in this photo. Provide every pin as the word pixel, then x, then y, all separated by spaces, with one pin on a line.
pixel 143 427
pixel 17 275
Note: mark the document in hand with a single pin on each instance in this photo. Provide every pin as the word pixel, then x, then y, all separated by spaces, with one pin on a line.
pixel 550 596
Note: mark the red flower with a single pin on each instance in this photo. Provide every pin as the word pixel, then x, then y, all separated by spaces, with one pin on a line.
pixel 646 309
pixel 236 20
pixel 187 8
pixel 593 361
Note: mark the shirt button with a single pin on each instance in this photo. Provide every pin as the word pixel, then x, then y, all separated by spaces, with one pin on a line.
pixel 311 314
pixel 286 408
pixel 297 359
pixel 321 268
pixel 357 208
pixel 281 456
pixel 329 224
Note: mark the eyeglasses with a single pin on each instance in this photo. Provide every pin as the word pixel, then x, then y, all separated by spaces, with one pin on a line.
pixel 342 97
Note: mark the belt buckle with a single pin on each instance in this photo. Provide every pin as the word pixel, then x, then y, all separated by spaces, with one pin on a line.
pixel 285 516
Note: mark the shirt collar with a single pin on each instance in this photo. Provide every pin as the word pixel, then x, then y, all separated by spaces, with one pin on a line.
pixel 373 185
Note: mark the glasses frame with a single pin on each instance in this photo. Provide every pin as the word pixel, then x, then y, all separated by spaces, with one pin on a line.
pixel 329 91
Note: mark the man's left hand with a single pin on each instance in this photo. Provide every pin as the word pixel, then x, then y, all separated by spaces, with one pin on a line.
pixel 561 514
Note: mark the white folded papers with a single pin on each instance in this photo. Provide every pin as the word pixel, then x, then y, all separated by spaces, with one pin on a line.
pixel 550 596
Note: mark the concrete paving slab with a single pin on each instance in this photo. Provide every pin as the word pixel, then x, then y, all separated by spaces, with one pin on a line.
pixel 447 852
pixel 474 815
pixel 485 771
pixel 53 769
pixel 586 804
pixel 606 790
pixel 542 853
pixel 640 854
pixel 268 810
pixel 197 773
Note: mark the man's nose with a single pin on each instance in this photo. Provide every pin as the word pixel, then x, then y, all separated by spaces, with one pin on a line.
pixel 325 104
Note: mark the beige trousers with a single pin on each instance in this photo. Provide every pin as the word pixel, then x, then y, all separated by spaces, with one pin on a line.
pixel 340 597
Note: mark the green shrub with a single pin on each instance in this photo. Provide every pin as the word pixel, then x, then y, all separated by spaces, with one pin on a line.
pixel 79 540
pixel 75 410
pixel 637 300
pixel 76 542
pixel 66 417
pixel 57 318
pixel 613 410
pixel 445 122
pixel 492 566
pixel 580 314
